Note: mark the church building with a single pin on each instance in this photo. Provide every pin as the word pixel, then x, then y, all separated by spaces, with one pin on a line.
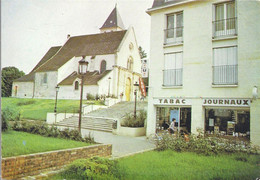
pixel 114 65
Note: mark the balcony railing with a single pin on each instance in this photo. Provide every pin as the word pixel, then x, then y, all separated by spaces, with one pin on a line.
pixel 172 77
pixel 173 35
pixel 225 27
pixel 225 75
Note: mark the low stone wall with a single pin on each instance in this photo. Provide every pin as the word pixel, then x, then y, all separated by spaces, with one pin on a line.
pixel 32 164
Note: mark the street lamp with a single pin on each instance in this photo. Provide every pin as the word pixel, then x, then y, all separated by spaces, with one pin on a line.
pixel 135 93
pixel 57 90
pixel 108 93
pixel 83 66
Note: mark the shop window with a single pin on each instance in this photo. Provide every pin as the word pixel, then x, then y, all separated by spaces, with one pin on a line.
pixel 228 122
pixel 164 116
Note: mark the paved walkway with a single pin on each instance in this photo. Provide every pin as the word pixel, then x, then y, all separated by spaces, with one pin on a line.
pixel 121 145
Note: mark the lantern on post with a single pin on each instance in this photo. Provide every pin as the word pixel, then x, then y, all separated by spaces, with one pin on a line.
pixel 57 90
pixel 82 70
pixel 136 86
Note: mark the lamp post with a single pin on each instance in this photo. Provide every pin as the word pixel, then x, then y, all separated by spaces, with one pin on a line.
pixel 135 93
pixel 83 66
pixel 108 93
pixel 57 90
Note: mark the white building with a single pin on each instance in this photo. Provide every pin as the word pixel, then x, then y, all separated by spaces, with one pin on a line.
pixel 204 65
pixel 114 65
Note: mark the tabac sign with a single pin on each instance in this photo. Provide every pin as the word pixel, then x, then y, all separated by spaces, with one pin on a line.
pixel 227 102
pixel 172 101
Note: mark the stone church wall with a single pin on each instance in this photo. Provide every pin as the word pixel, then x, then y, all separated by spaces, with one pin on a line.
pixel 45 89
pixel 23 89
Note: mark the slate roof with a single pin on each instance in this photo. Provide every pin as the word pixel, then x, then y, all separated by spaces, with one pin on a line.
pixel 86 45
pixel 26 78
pixel 91 78
pixel 113 20
pixel 30 77
pixel 161 3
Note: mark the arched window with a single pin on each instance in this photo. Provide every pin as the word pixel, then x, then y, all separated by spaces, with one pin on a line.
pixel 130 63
pixel 103 66
pixel 76 85
pixel 45 78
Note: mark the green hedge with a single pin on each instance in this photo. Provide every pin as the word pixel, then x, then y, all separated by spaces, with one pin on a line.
pixel 44 129
pixel 92 168
pixel 203 145
pixel 130 121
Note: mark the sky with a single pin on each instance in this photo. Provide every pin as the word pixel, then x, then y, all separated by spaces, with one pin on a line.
pixel 29 28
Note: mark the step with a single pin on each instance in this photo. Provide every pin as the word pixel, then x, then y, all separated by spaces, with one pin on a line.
pixel 90 128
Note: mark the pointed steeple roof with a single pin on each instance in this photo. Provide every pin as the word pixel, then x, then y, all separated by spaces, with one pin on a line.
pixel 113 21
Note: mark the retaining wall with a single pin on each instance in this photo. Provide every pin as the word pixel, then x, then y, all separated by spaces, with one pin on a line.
pixel 32 164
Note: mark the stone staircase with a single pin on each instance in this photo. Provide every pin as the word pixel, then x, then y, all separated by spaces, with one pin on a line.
pixel 102 119
pixel 92 123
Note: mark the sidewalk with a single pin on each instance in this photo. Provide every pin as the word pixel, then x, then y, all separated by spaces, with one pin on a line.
pixel 121 145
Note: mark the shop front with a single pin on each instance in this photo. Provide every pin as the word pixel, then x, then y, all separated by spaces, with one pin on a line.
pixel 227 117
pixel 168 109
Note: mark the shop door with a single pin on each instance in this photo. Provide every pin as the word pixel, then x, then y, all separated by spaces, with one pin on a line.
pixel 128 89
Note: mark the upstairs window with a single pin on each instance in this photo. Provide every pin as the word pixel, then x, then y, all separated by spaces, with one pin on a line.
pixel 224 19
pixel 225 66
pixel 172 73
pixel 174 30
pixel 76 85
pixel 103 66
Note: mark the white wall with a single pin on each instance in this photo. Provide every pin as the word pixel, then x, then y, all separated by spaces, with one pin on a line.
pixel 125 52
pixel 24 89
pixel 65 70
pixel 96 62
pixel 198 59
pixel 45 90
pixel 68 91
pixel 104 84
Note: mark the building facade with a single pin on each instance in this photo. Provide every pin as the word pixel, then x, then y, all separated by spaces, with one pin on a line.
pixel 114 65
pixel 205 67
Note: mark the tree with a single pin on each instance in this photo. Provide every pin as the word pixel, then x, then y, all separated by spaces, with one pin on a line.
pixel 9 74
pixel 142 53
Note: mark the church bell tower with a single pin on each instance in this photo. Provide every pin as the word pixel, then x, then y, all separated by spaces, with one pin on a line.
pixel 113 22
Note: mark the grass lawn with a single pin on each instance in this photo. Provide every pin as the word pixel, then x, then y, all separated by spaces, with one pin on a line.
pixel 19 143
pixel 37 108
pixel 172 165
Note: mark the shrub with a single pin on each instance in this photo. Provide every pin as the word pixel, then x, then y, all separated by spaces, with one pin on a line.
pixel 130 121
pixel 25 103
pixel 93 168
pixel 9 114
pixel 204 145
pixel 90 96
pixel 43 129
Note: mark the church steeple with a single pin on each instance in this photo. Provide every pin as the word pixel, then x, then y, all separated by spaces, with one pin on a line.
pixel 113 22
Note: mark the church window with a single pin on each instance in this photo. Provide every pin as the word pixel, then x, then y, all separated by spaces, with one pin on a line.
pixel 130 63
pixel 103 66
pixel 45 78
pixel 76 86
